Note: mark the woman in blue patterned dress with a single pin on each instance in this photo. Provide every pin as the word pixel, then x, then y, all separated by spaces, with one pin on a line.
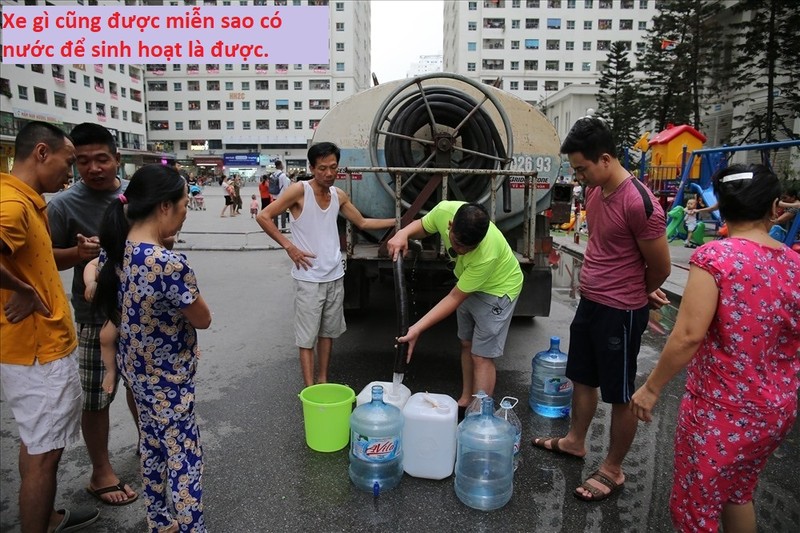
pixel 154 293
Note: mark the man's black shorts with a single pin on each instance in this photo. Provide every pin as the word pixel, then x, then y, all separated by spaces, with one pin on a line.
pixel 603 347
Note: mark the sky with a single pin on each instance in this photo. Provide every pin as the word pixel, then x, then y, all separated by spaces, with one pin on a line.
pixel 403 30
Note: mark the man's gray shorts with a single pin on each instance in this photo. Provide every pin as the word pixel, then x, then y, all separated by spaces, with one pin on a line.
pixel 484 319
pixel 318 311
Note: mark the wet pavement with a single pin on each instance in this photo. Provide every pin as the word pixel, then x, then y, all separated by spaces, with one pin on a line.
pixel 261 476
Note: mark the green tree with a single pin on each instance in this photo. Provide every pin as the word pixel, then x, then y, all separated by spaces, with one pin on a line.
pixel 765 59
pixel 677 62
pixel 617 100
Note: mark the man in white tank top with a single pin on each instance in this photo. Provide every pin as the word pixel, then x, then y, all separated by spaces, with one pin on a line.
pixel 318 270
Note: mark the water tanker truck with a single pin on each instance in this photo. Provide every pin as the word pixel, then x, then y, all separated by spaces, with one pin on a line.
pixel 408 144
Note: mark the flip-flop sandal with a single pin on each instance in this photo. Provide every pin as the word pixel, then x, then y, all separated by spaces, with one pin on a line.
pixel 596 494
pixel 553 446
pixel 75 520
pixel 119 487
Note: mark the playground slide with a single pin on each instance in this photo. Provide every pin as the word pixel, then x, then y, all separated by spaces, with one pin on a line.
pixel 676 227
pixel 709 199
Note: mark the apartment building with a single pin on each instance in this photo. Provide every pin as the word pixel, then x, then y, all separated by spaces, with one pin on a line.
pixel 211 117
pixel 541 47
pixel 241 117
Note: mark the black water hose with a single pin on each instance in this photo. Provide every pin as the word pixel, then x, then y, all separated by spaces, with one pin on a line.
pixel 449 107
pixel 401 305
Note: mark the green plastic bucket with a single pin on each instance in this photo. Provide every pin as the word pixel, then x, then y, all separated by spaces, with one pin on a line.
pixel 326 415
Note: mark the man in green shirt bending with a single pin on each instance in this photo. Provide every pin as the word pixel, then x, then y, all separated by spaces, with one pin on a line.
pixel 489 283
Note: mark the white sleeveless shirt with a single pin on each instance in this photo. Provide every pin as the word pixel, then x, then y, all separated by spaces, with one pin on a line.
pixel 315 231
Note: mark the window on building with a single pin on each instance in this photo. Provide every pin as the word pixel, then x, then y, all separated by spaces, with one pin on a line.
pixel 228 66
pixel 228 106
pixel 281 104
pixel 492 64
pixel 262 105
pixel 530 85
pixel 245 106
pixel 551 65
pixel 158 105
pixel 123 92
pixel 604 45
pixel 340 86
pixel 298 106
pixel 339 6
pixel 568 66
pixel 228 85
pixel 262 85
pixel 194 125
pixel 531 44
pixel 587 45
pixel 87 81
pixel 153 86
pixel 178 106
pixel 640 47
pixel 532 3
pixel 245 85
pixel 214 124
pixel 472 26
pixel 340 67
pixel 470 67
pixel 472 6
pixel 569 45
pixel 213 105
pixel 319 85
pixel 513 86
pixel 194 105
pixel 515 65
pixel 588 4
pixel 73 78
pixel 471 47
pixel 340 26
pixel 551 85
pixel 179 125
pixel 606 4
pixel 193 85
pixel 298 86
pixel 60 100
pixel 125 115
pixel 89 107
pixel 40 95
pixel 515 3
pixel 515 45
pixel 494 23
pixel 570 24
pixel 75 104
pixel 553 24
pixel 570 4
pixel 626 4
pixel 262 124
pixel 229 124
pixel 515 24
pixel 554 4
pixel 604 24
pixel 586 66
pixel 298 124
pixel 531 64
pixel 245 124
pixel 642 4
pixel 319 104
pixel 642 25
pixel 553 44
pixel 244 66
pixel 531 24
pixel 212 85
pixel 282 124
pixel 282 85
pixel 340 47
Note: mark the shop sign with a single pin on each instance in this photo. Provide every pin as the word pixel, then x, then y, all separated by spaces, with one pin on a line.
pixel 241 160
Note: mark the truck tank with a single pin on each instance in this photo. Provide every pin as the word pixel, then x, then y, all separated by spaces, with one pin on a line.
pixel 446 121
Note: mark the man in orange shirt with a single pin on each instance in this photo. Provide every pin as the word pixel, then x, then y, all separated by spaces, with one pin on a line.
pixel 38 361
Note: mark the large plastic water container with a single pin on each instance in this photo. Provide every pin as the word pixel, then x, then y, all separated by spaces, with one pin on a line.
pixel 551 390
pixel 485 460
pixel 506 412
pixel 393 395
pixel 429 435
pixel 376 449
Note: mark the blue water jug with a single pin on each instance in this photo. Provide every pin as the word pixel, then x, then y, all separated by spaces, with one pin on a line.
pixel 551 391
pixel 376 450
pixel 485 460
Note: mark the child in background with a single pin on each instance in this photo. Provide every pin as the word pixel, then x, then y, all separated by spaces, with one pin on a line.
pixel 254 204
pixel 108 334
pixel 690 219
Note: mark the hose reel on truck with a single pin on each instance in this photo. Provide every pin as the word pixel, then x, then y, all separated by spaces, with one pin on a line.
pixel 395 136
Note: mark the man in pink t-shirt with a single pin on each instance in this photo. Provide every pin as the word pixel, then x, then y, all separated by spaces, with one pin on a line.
pixel 626 261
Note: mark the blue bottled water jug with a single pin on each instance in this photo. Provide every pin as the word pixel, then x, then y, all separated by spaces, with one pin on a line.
pixel 551 391
pixel 485 460
pixel 376 450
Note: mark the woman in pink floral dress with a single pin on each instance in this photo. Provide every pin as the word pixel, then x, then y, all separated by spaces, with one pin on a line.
pixel 738 329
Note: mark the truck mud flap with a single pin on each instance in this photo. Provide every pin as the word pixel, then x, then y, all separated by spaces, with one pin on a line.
pixel 537 285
